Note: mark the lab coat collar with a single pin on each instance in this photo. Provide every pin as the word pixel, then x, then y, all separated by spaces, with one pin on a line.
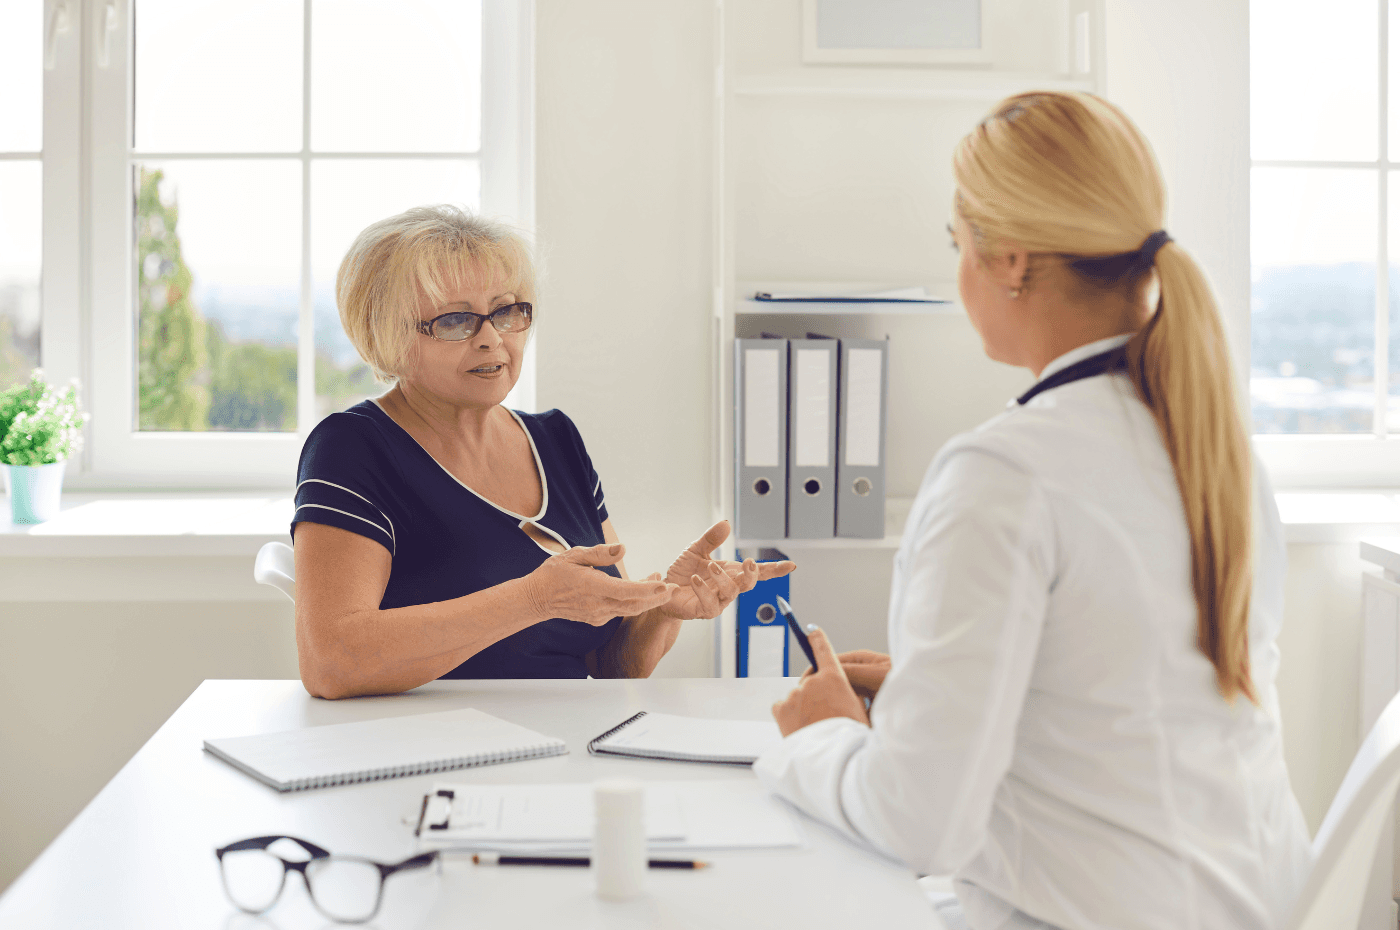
pixel 1085 351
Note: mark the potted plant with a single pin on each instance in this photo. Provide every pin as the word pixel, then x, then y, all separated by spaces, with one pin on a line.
pixel 39 429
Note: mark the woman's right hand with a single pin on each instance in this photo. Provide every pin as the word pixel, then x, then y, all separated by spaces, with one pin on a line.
pixel 569 586
pixel 865 670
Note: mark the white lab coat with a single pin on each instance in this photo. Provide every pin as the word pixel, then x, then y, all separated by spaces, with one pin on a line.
pixel 1049 731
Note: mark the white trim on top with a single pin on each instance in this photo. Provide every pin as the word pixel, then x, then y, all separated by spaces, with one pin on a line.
pixel 539 467
pixel 524 527
pixel 348 491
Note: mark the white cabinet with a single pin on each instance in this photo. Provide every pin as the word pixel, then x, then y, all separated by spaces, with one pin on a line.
pixel 841 174
pixel 1380 681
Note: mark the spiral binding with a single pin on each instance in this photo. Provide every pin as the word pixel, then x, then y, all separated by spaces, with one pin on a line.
pixel 594 743
pixel 537 751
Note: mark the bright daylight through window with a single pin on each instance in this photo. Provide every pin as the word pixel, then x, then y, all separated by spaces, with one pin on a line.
pixel 21 175
pixel 1324 238
pixel 248 186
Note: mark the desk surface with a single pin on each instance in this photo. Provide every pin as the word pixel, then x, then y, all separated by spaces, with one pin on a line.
pixel 141 854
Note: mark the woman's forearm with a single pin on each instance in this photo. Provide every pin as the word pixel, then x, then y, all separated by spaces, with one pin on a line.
pixel 638 645
pixel 388 651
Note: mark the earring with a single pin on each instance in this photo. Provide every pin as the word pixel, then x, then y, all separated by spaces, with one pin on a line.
pixel 1013 292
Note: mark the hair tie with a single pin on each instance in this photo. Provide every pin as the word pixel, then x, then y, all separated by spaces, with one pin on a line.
pixel 1147 252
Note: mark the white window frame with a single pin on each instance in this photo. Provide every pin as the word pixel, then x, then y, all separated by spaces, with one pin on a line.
pixel 88 329
pixel 1350 461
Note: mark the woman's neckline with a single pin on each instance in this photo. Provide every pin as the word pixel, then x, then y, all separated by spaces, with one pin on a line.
pixel 534 450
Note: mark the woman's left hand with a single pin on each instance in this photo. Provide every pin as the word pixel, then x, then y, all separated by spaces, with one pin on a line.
pixel 822 694
pixel 707 585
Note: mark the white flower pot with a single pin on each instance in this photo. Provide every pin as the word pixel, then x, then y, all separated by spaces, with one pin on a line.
pixel 35 491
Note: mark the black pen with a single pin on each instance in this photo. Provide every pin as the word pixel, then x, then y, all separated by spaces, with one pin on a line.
pixel 490 858
pixel 786 610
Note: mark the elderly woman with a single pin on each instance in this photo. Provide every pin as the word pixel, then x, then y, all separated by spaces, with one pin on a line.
pixel 439 534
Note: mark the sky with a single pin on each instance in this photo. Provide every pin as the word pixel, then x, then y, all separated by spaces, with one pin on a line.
pixel 221 77
pixel 227 77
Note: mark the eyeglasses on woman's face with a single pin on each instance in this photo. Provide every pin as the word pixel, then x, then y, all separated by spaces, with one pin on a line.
pixel 347 889
pixel 463 324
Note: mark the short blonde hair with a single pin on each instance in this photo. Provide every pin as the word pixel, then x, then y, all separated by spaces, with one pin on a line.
pixel 397 261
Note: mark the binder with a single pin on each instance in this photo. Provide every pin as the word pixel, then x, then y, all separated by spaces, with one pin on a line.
pixel 811 437
pixel 860 455
pixel 760 438
pixel 761 634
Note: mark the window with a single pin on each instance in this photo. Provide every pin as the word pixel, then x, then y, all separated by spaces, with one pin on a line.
pixel 1324 120
pixel 236 150
pixel 21 185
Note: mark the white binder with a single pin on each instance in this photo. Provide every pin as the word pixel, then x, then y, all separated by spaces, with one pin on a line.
pixel 861 427
pixel 811 471
pixel 760 438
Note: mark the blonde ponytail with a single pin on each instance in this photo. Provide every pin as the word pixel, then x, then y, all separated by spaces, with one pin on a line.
pixel 1070 175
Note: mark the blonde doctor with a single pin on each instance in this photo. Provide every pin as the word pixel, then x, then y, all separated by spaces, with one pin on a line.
pixel 1078 717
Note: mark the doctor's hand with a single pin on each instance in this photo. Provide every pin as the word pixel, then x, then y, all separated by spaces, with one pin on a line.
pixel 707 586
pixel 822 694
pixel 865 670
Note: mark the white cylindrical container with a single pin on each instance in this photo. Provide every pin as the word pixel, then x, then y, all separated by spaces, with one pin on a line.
pixel 619 839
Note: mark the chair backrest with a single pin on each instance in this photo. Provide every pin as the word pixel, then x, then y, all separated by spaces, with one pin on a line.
pixel 276 565
pixel 1346 845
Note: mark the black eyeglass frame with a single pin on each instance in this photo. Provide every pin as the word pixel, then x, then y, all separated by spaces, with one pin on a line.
pixel 429 327
pixel 422 860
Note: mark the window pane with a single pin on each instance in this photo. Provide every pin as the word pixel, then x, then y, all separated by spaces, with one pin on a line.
pixel 346 196
pixel 1392 414
pixel 1314 83
pixel 218 265
pixel 1394 73
pixel 218 77
pixel 396 75
pixel 21 222
pixel 21 76
pixel 1312 256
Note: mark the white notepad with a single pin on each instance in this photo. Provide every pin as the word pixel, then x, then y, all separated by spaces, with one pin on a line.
pixel 388 748
pixel 688 739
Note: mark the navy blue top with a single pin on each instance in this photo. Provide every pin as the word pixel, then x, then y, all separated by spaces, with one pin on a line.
pixel 362 472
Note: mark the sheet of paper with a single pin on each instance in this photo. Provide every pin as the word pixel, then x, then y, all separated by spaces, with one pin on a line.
pixel 897 293
pixel 546 814
pixel 714 814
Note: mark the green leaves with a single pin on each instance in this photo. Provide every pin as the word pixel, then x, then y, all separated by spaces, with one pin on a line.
pixel 38 425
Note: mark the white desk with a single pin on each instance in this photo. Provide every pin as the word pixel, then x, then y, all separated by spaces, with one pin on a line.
pixel 142 854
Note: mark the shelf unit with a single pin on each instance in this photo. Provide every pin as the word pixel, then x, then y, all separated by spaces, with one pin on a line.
pixel 840 147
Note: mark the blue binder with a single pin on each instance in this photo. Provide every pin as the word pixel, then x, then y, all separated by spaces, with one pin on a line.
pixel 761 644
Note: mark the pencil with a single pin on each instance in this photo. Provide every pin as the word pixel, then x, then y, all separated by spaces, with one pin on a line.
pixel 491 858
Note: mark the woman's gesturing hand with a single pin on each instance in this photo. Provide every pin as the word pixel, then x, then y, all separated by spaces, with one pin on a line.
pixel 568 586
pixel 707 586
pixel 820 695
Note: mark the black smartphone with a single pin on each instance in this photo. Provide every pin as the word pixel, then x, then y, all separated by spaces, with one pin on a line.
pixel 785 609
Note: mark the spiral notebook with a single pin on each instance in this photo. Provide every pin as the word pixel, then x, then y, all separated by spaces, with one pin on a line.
pixel 688 739
pixel 370 750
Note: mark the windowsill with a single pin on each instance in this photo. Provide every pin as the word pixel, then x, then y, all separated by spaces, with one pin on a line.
pixel 1338 516
pixel 172 524
pixel 152 524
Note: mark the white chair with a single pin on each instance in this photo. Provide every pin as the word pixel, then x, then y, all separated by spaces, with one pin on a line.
pixel 276 565
pixel 1344 851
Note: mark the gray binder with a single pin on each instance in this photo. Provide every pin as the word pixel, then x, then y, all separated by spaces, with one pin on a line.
pixel 760 438
pixel 811 439
pixel 861 427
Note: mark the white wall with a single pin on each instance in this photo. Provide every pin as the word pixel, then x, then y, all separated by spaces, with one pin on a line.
pixel 623 208
pixel 85 683
pixel 623 205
